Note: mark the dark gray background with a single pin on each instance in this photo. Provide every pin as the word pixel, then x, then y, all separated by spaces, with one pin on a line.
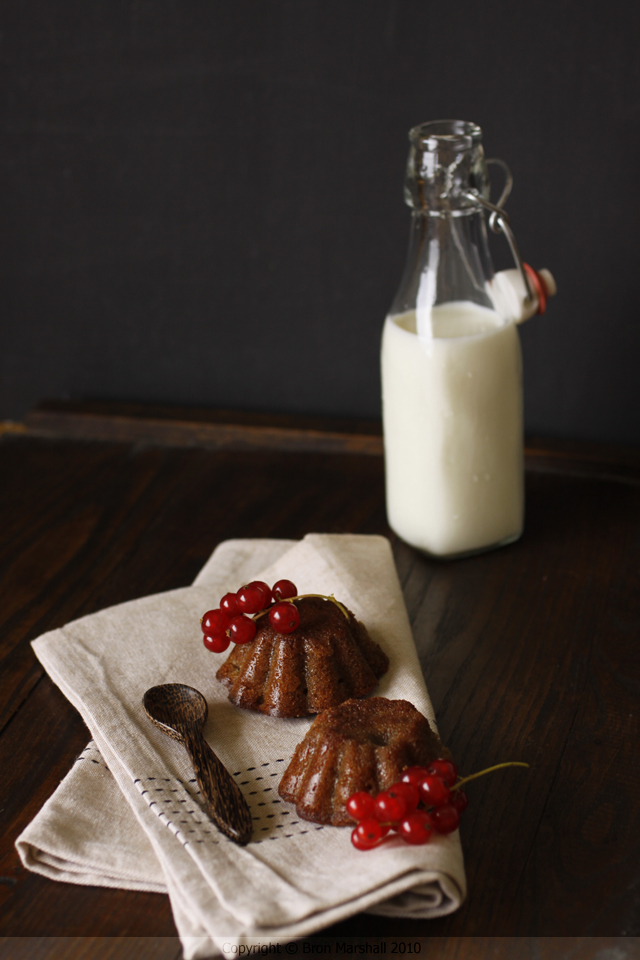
pixel 201 202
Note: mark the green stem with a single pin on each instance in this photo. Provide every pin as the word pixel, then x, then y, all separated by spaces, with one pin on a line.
pixel 481 773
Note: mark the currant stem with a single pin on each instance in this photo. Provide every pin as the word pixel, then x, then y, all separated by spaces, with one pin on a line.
pixel 481 773
pixel 302 596
pixel 321 596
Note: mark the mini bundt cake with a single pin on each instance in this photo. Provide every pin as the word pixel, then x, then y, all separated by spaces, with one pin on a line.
pixel 359 745
pixel 327 659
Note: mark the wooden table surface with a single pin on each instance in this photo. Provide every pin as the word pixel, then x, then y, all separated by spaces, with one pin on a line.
pixel 530 652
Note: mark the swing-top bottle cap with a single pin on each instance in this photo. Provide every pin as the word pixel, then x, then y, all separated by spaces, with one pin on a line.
pixel 550 284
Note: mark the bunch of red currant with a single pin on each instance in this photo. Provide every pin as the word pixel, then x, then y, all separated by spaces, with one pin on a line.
pixel 427 799
pixel 235 618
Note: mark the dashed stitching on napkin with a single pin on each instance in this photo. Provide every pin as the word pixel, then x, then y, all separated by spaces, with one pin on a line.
pixel 176 803
pixel 190 823
pixel 91 748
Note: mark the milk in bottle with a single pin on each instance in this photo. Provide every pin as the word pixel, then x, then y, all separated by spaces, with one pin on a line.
pixel 451 362
pixel 452 408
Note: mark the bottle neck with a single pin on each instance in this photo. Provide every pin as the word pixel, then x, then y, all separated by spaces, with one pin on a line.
pixel 448 261
pixel 445 161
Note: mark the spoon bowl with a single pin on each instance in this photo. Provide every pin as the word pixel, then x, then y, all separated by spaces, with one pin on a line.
pixel 180 712
pixel 171 706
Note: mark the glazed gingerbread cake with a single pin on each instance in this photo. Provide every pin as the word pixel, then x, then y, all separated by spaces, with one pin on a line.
pixel 328 659
pixel 359 745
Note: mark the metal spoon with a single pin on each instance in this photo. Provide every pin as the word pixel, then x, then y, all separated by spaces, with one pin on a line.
pixel 180 712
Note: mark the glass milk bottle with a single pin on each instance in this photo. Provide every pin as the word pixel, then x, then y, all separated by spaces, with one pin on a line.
pixel 451 360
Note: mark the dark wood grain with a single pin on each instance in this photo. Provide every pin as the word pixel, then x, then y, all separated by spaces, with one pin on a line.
pixel 233 430
pixel 90 948
pixel 181 712
pixel 530 653
pixel 193 414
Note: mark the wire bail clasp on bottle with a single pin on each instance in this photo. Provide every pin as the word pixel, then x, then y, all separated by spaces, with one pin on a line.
pixel 499 220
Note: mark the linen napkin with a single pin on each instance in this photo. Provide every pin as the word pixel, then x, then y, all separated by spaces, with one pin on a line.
pixel 129 812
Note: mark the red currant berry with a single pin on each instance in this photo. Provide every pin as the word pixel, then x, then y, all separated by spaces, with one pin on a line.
pixel 444 769
pixel 217 644
pixel 414 775
pixel 265 589
pixel 229 605
pixel 242 630
pixel 446 818
pixel 433 791
pixel 284 617
pixel 249 599
pixel 460 801
pixel 390 807
pixel 214 623
pixel 410 793
pixel 416 828
pixel 361 805
pixel 368 834
pixel 284 590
